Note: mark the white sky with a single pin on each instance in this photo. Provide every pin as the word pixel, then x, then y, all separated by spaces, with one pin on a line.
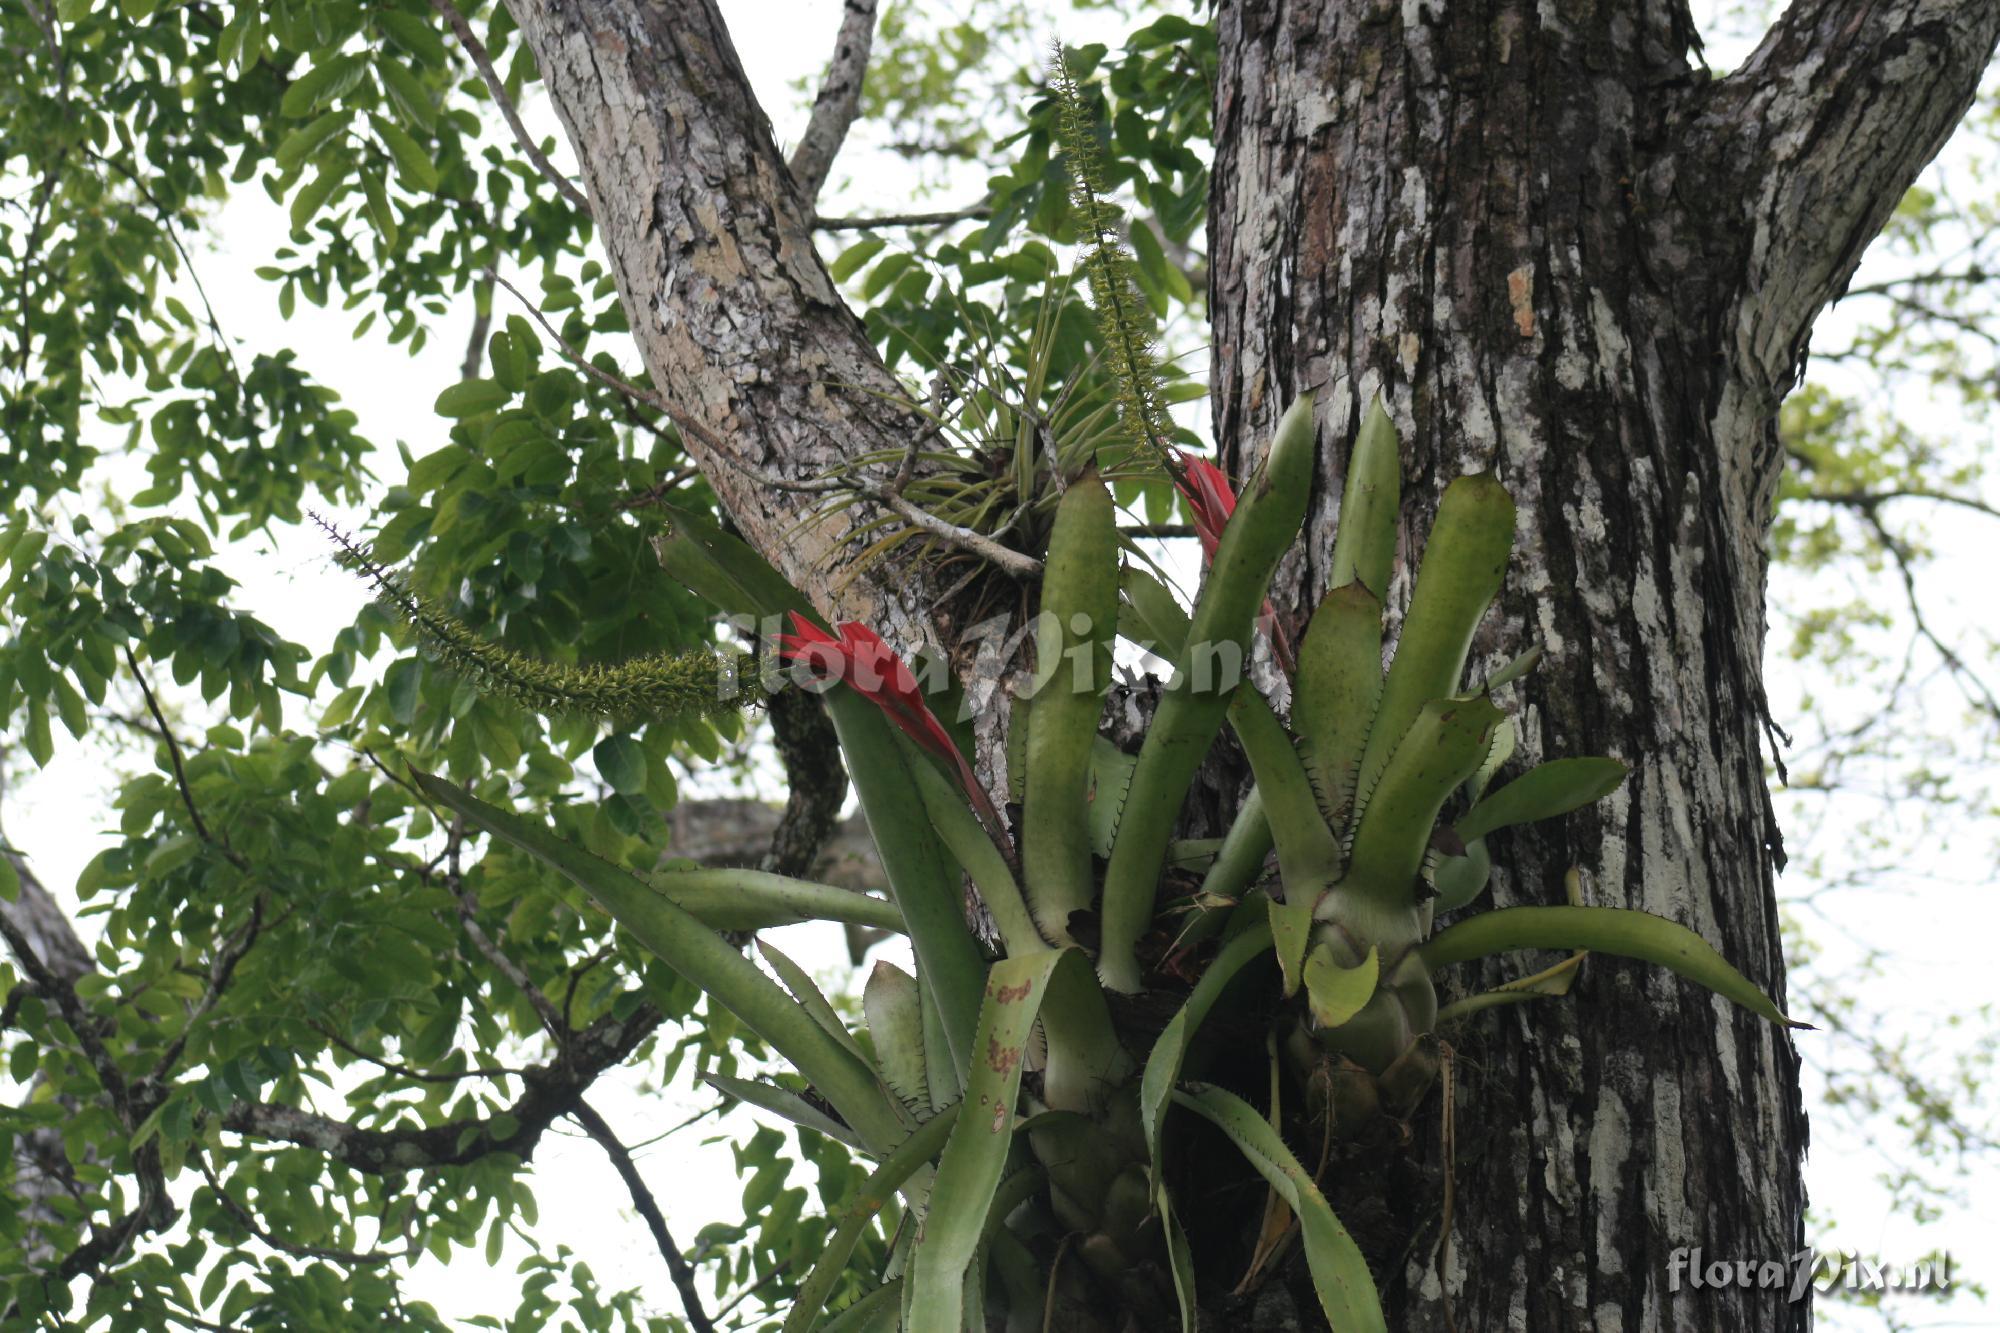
pixel 55 816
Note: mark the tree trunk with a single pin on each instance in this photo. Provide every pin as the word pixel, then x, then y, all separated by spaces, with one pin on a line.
pixel 1561 254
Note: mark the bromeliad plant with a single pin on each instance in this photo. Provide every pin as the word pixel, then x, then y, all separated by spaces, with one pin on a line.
pixel 1018 1106
pixel 1015 1101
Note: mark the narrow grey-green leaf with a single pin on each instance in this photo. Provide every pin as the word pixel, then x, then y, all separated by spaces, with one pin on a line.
pixel 1624 931
pixel 1340 1274
pixel 1543 792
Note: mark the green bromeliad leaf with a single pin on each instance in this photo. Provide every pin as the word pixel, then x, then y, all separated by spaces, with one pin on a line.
pixel 1340 1274
pixel 1624 931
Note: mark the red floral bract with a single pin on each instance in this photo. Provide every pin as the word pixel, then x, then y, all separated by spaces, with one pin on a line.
pixel 863 661
pixel 1211 499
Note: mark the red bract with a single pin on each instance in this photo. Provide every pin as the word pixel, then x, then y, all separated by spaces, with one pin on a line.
pixel 1210 499
pixel 860 658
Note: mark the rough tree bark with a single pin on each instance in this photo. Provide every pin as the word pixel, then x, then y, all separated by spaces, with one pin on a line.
pixel 1559 250
pixel 1563 253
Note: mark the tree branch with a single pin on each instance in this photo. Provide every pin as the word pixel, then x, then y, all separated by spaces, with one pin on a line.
pixel 816 784
pixel 727 299
pixel 889 496
pixel 1821 132
pixel 476 50
pixel 552 1090
pixel 173 751
pixel 982 209
pixel 642 1199
pixel 839 100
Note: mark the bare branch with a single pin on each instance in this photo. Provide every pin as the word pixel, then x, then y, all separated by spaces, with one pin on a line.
pixel 405 1071
pixel 642 1199
pixel 982 209
pixel 1823 129
pixel 839 100
pixel 1974 687
pixel 1869 499
pixel 476 49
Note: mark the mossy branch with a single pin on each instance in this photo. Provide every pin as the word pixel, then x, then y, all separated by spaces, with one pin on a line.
pixel 660 685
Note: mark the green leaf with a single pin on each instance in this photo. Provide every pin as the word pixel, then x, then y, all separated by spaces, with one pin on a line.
pixel 1463 565
pixel 899 1166
pixel 301 143
pixel 1364 543
pixel 975 1157
pixel 313 195
pixel 803 989
pixel 413 164
pixel 1291 930
pixel 1308 853
pixel 1340 1275
pixel 895 1015
pixel 786 1105
pixel 1460 878
pixel 708 961
pixel 722 569
pixel 974 849
pixel 1624 931
pixel 1259 532
pixel 740 900
pixel 468 398
pixel 10 879
pixel 1335 993
pixel 1543 792
pixel 922 880
pixel 321 84
pixel 875 1312
pixel 1442 748
pixel 402 681
pixel 512 362
pixel 1163 1066
pixel 1339 685
pixel 851 260
pixel 1073 639
pixel 621 761
pixel 407 91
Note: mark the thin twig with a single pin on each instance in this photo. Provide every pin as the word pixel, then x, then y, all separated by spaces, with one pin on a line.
pixel 1975 689
pixel 1868 499
pixel 476 49
pixel 219 974
pixel 414 1075
pixel 173 750
pixel 356 1258
pixel 642 1199
pixel 980 210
